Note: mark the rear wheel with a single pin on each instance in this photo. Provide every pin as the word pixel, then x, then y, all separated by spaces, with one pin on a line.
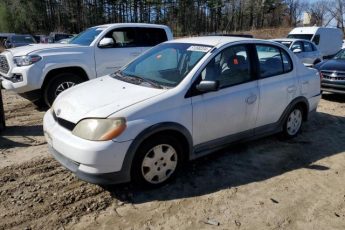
pixel 58 84
pixel 157 161
pixel 293 122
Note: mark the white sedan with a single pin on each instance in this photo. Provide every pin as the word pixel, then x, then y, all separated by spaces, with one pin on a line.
pixel 179 101
pixel 304 50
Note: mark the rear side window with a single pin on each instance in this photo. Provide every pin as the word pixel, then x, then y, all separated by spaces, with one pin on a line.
pixel 151 36
pixel 273 61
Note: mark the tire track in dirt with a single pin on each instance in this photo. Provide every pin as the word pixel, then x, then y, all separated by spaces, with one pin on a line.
pixel 39 192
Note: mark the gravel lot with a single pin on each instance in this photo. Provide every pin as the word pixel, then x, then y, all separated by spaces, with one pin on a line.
pixel 263 184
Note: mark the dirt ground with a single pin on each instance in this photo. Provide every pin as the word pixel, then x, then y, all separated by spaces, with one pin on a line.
pixel 263 184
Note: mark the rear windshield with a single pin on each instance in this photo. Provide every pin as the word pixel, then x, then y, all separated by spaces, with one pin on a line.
pixel 23 39
pixel 301 36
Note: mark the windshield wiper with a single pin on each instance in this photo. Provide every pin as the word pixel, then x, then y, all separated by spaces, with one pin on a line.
pixel 130 77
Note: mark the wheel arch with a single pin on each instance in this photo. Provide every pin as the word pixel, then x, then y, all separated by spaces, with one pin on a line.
pixel 171 128
pixel 74 69
pixel 298 101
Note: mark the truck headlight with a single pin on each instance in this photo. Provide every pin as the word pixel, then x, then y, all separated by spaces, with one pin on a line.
pixel 26 60
pixel 94 129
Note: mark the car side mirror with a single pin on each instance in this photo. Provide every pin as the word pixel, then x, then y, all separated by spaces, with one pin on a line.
pixel 208 86
pixel 106 43
pixel 296 51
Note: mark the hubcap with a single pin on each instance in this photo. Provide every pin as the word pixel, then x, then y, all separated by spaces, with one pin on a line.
pixel 63 86
pixel 159 163
pixel 294 122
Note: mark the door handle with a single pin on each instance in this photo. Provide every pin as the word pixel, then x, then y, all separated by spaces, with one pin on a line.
pixel 291 89
pixel 251 99
pixel 305 82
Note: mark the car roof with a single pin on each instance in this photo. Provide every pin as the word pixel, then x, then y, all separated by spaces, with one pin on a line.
pixel 131 25
pixel 289 39
pixel 212 40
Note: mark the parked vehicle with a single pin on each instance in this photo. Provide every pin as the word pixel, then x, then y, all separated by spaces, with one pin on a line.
pixel 41 38
pixel 327 40
pixel 40 72
pixel 55 37
pixel 305 50
pixel 179 101
pixel 333 73
pixel 17 40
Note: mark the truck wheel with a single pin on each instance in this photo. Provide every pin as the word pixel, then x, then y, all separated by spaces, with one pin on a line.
pixel 156 161
pixel 293 122
pixel 59 83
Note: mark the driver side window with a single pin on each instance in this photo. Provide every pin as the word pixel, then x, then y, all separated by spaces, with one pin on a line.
pixel 230 67
pixel 123 37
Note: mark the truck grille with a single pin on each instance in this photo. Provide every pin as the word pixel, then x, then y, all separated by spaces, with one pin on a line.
pixel 333 75
pixel 4 67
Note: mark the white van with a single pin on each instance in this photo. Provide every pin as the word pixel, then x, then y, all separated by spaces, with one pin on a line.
pixel 328 40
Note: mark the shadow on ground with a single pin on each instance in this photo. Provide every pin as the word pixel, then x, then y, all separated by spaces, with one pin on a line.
pixel 334 97
pixel 18 131
pixel 255 161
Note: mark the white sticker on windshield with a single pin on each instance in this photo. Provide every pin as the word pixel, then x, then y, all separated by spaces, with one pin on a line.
pixel 199 48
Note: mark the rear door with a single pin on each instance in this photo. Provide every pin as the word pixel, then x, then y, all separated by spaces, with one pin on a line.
pixel 277 84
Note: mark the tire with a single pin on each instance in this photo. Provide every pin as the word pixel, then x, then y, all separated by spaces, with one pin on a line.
pixel 316 62
pixel 59 83
pixel 293 122
pixel 151 168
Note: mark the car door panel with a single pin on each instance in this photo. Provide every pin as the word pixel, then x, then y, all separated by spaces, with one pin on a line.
pixel 125 49
pixel 232 109
pixel 277 86
pixel 225 112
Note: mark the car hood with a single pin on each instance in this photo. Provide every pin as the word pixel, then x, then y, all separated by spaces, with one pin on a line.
pixel 332 64
pixel 100 98
pixel 25 50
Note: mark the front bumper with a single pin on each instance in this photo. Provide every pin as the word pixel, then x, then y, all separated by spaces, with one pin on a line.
pixel 333 87
pixel 30 79
pixel 98 162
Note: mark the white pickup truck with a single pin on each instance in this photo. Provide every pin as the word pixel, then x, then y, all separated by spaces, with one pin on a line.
pixel 40 72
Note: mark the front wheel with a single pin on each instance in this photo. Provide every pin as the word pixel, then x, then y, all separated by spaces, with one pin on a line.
pixel 293 122
pixel 157 161
pixel 58 84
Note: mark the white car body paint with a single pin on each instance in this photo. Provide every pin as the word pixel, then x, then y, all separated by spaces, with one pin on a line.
pixel 206 117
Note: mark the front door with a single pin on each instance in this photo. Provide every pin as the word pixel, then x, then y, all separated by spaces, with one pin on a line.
pixel 125 48
pixel 226 115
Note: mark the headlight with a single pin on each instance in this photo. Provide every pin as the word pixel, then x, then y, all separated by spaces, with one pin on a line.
pixel 99 129
pixel 26 60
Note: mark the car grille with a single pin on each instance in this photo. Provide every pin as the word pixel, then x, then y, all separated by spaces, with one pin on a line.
pixel 4 67
pixel 64 123
pixel 333 75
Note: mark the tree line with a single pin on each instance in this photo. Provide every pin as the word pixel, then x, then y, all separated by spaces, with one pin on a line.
pixel 185 17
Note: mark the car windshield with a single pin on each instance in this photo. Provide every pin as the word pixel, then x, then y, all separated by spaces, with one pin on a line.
pixel 86 37
pixel 301 36
pixel 165 65
pixel 23 39
pixel 340 55
pixel 286 43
